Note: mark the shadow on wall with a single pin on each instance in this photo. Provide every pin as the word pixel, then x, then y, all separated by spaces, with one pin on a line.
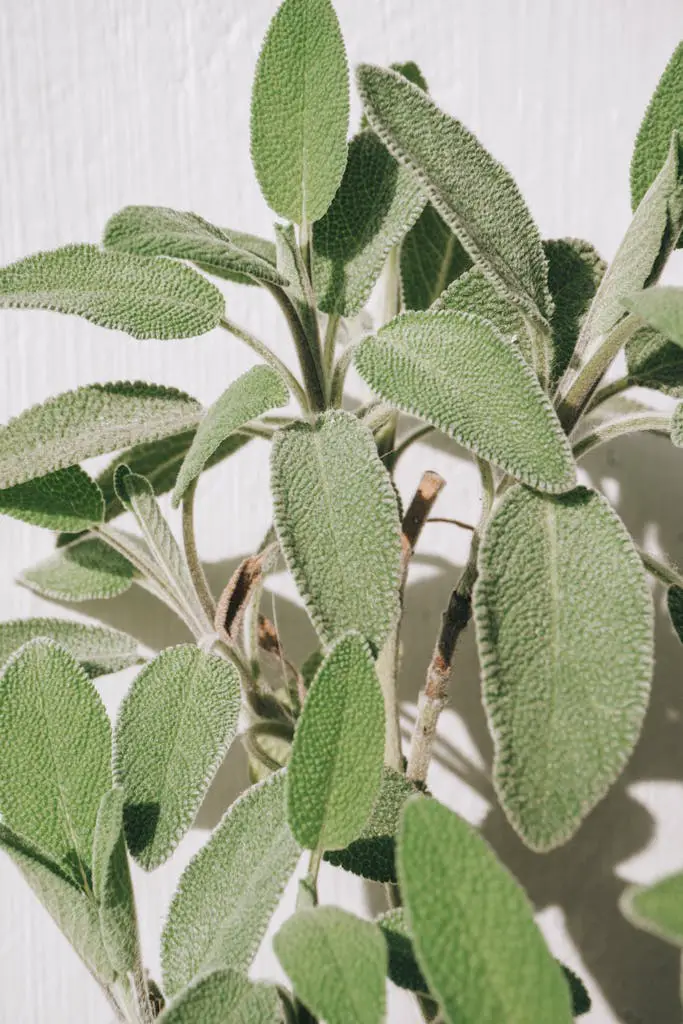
pixel 638 975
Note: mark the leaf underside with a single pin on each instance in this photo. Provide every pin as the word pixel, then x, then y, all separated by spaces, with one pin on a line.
pixel 86 569
pixel 98 649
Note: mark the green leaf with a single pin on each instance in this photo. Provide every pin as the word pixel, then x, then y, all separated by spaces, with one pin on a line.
pixel 403 968
pixel 86 569
pixel 225 997
pixel 337 964
pixel 112 886
pixel 371 855
pixel 146 298
pixel 174 728
pixel 657 908
pixel 337 521
pixel 677 426
pixel 254 393
pixel 565 631
pixel 55 749
pixel 65 500
pixel 159 231
pixel 99 649
pixel 259 247
pixel 674 603
pixel 472 292
pixel 335 769
pixel 459 374
pixel 472 192
pixel 431 258
pixel 473 930
pixel 655 362
pixel 661 308
pixel 663 115
pixel 409 70
pixel 77 425
pixel 74 911
pixel 581 1001
pixel 229 890
pixel 298 133
pixel 575 271
pixel 290 263
pixel 377 202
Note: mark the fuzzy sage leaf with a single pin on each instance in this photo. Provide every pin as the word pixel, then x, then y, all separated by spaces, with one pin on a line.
pixel 65 500
pixel 86 569
pixel 112 887
pixel 431 258
pixel 99 649
pixel 661 308
pixel 663 115
pixel 655 362
pixel 225 997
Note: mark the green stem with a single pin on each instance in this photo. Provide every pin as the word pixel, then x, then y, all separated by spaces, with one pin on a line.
pixel 638 422
pixel 310 361
pixel 339 376
pixel 330 344
pixel 269 357
pixel 608 391
pixel 540 351
pixel 199 580
pixel 402 447
pixel 665 573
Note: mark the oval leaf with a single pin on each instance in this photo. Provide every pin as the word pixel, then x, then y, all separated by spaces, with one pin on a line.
pixel 112 886
pixel 228 892
pixel 98 649
pixel 335 769
pixel 657 908
pixel 337 964
pixel 146 298
pixel 458 373
pixel 473 932
pixel 86 569
pixel 254 393
pixel 174 729
pixel 298 133
pixel 65 500
pixel 225 997
pixel 663 115
pixel 575 270
pixel 565 630
pixel 337 521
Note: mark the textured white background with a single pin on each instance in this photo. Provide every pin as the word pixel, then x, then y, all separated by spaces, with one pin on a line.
pixel 108 102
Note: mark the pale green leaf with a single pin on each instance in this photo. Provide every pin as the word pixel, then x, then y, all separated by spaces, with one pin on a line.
pixel 677 426
pixel 661 308
pixel 674 603
pixel 65 500
pixel 300 110
pixel 86 569
pixel 160 231
pixel 335 769
pixel 472 926
pixel 146 298
pixel 431 258
pixel 472 192
pixel 409 70
pixel 228 892
pixel 377 202
pixel 259 247
pixel 337 521
pixel 112 886
pixel 337 964
pixel 55 751
pixel 472 292
pixel 456 372
pixel 371 855
pixel 657 908
pixel 174 728
pixel 565 630
pixel 251 395
pixel 77 425
pixel 225 997
pixel 663 115
pixel 655 362
pixel 99 649
pixel 575 271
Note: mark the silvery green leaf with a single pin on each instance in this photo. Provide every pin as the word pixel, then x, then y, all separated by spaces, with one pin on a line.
pixel 431 258
pixel 403 968
pixel 337 964
pixel 472 292
pixel 677 426
pixel 472 926
pixel 657 908
pixel 335 769
pixel 112 886
pixel 55 751
pixel 225 997
pixel 146 298
pixel 259 247
pixel 254 393
pixel 655 362
pixel 472 192
pixel 674 603
pixel 72 909
pixel 99 649
pixel 174 728
pixel 298 133
pixel 159 231
pixel 377 202
pixel 410 70
pixel 663 115
pixel 660 308
pixel 229 890
pixel 371 855
pixel 65 500
pixel 575 271
pixel 86 569
pixel 565 631
pixel 456 372
pixel 93 420
pixel 337 521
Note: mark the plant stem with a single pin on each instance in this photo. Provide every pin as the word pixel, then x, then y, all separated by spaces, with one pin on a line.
pixel 665 573
pixel 608 391
pixel 403 446
pixel 310 361
pixel 638 422
pixel 269 357
pixel 199 580
pixel 339 373
pixel 330 344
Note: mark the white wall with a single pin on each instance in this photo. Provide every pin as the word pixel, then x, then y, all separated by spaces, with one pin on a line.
pixel 108 102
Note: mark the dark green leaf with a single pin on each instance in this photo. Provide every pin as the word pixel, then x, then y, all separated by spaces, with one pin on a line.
pixel 65 500
pixel 575 271
pixel 674 601
pixel 431 258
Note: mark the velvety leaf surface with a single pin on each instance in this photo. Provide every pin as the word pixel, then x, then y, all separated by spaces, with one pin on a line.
pixel 300 110
pixel 575 271
pixel 337 964
pixel 335 768
pixel 431 258
pixel 93 420
pixel 99 649
pixel 657 908
pixel 174 728
pixel 565 631
pixel 472 292
pixel 663 115
pixel 472 192
pixel 229 890
pixel 473 932
pixel 86 569
pixel 254 393
pixel 65 500
pixel 290 263
pixel 225 997
pixel 655 362
pixel 146 298
pixel 112 886
pixel 337 521
pixel 677 426
pixel 458 373
pixel 377 202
